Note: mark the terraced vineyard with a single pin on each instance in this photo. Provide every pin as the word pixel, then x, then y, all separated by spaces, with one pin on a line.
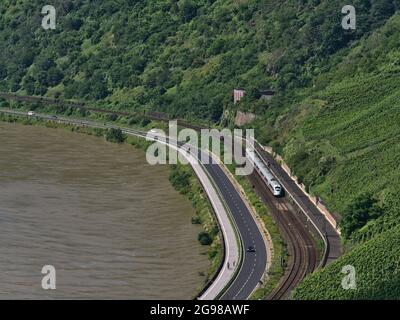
pixel 334 118
pixel 377 278
pixel 359 131
pixel 342 142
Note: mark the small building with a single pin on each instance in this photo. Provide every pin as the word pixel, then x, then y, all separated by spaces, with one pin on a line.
pixel 238 94
pixel 267 94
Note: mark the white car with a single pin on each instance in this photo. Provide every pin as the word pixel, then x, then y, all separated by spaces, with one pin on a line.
pixel 31 113
pixel 154 134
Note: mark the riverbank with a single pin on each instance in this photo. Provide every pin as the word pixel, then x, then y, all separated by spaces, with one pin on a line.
pixel 204 216
pixel 110 223
pixel 185 181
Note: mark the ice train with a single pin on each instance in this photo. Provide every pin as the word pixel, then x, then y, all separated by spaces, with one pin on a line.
pixel 264 172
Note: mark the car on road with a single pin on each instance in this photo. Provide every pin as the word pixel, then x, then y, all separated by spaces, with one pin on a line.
pixel 154 134
pixel 251 249
pixel 54 117
pixel 31 113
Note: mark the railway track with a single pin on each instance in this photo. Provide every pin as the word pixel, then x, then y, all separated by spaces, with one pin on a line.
pixel 302 249
pixel 82 105
pixel 303 253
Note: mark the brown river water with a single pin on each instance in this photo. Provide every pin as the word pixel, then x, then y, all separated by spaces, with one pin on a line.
pixel 111 225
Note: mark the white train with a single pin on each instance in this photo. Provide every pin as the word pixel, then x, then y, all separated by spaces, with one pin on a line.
pixel 265 173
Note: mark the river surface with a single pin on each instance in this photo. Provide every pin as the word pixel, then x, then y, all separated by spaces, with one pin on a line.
pixel 110 224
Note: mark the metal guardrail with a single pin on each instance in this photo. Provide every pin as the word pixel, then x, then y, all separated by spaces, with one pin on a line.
pixel 143 135
pixel 237 236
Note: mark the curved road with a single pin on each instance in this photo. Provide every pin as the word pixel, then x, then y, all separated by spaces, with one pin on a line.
pixel 253 264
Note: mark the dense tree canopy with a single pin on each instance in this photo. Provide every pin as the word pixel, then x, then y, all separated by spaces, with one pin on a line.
pixel 335 116
pixel 183 57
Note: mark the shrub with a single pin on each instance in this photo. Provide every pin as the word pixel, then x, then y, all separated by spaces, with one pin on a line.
pixel 204 238
pixel 145 122
pixel 115 135
pixel 196 220
pixel 358 213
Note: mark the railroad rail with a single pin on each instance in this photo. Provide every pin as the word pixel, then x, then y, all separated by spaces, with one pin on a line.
pixel 311 214
pixel 302 248
pixel 82 105
pixel 295 227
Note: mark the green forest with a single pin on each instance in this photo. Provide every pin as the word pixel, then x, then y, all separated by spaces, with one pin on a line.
pixel 335 116
pixel 183 57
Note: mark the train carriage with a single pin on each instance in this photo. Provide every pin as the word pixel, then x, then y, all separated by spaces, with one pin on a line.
pixel 265 173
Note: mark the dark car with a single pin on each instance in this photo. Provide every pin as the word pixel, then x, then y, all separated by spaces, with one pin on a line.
pixel 251 249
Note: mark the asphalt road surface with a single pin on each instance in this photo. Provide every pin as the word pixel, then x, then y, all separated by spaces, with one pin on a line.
pixel 253 263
